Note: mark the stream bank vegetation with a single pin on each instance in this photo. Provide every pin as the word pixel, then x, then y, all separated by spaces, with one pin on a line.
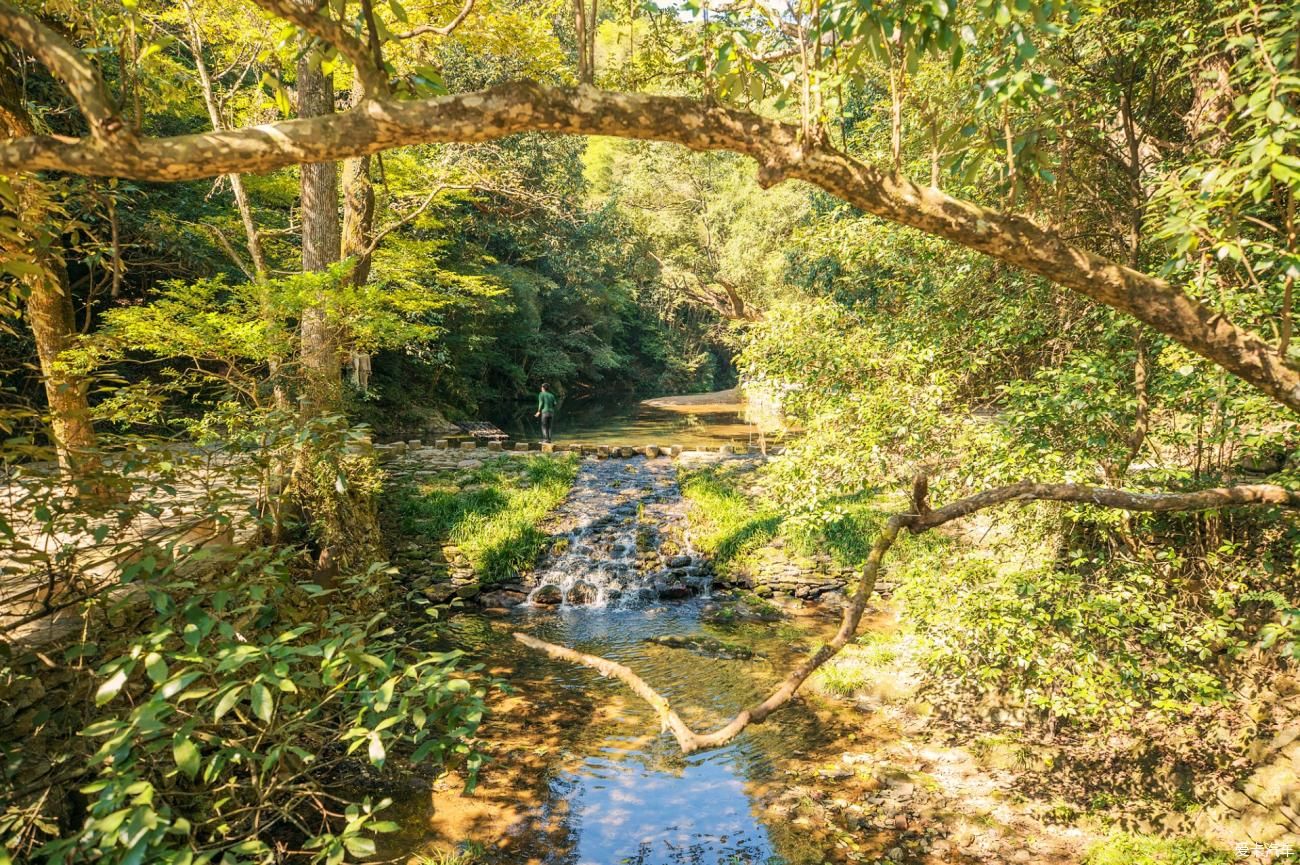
pixel 490 514
pixel 1090 286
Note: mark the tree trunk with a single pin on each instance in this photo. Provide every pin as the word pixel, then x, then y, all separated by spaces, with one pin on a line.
pixel 343 519
pixel 320 246
pixel 236 181
pixel 49 301
pixel 50 315
pixel 358 209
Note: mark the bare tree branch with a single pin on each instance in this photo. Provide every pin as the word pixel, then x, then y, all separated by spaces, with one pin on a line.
pixel 414 214
pixel 920 520
pixel 224 242
pixel 67 64
pixel 439 30
pixel 779 148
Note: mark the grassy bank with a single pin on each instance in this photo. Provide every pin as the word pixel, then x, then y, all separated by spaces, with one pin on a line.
pixel 731 520
pixel 490 513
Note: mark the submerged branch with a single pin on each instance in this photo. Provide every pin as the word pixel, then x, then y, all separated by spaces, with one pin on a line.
pixel 921 519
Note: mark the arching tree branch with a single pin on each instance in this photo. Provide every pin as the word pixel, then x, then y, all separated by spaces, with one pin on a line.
pixel 920 520
pixel 65 63
pixel 779 149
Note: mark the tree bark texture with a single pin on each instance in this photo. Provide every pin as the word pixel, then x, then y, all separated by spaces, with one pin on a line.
pixel 358 209
pixel 320 244
pixel 50 314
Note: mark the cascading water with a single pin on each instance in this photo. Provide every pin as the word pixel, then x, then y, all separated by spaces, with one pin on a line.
pixel 582 772
pixel 615 553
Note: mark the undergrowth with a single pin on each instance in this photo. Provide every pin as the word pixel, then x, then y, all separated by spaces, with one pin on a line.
pixel 1124 848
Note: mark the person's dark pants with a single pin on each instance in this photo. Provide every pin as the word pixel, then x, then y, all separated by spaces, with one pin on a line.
pixel 546 425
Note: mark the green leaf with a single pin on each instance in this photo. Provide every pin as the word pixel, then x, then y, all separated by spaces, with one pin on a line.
pixel 263 705
pixel 227 702
pixel 376 750
pixel 359 846
pixel 156 667
pixel 110 689
pixel 186 754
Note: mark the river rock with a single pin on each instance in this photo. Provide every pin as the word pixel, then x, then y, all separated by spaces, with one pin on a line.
pixel 548 596
pixel 704 645
pixel 583 593
pixel 503 598
pixel 679 562
pixel 627 451
pixel 440 593
pixel 674 591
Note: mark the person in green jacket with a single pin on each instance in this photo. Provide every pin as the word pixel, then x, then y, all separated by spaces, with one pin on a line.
pixel 545 410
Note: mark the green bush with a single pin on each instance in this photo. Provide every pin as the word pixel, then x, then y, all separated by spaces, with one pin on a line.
pixel 230 722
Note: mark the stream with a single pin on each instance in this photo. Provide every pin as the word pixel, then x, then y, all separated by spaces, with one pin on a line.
pixel 579 772
pixel 603 422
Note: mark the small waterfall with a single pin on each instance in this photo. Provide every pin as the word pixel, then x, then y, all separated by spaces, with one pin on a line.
pixel 618 518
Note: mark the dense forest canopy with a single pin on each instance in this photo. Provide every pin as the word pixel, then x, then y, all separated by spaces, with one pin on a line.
pixel 979 253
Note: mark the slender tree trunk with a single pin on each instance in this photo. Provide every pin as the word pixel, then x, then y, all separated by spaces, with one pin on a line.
pixel 1141 387
pixel 934 152
pixel 251 235
pixel 580 36
pixel 896 56
pixel 358 210
pixel 320 246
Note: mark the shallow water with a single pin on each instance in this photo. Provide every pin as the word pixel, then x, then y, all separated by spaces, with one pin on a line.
pixel 612 788
pixel 633 423
pixel 621 791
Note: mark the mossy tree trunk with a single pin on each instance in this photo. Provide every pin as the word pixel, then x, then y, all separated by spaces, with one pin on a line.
pixel 48 302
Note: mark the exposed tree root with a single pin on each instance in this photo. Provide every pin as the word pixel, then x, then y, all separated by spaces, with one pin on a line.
pixel 921 519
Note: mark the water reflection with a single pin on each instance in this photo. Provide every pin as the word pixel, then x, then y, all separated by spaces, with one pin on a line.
pixel 701 815
pixel 605 422
pixel 620 791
